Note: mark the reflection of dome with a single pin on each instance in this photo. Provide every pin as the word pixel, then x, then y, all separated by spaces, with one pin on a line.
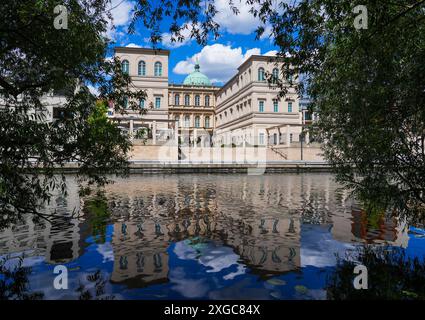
pixel 196 78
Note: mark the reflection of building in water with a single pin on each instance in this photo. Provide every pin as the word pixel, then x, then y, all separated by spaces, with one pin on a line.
pixel 140 254
pixel 359 227
pixel 59 240
pixel 258 217
pixel 266 240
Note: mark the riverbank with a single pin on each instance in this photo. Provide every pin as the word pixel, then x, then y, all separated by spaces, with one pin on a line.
pixel 152 166
pixel 229 167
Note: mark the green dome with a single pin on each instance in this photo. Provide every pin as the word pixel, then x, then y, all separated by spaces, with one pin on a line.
pixel 196 78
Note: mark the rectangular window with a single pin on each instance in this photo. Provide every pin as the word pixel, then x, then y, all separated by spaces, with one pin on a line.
pixel 261 138
pixel 289 106
pixel 261 106
pixel 110 113
pixel 142 103
pixel 157 102
pixel 275 106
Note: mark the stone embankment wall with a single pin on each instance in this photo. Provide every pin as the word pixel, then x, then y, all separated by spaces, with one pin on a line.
pixel 226 154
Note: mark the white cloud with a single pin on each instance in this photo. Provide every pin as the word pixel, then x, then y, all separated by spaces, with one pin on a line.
pixel 133 45
pixel 242 23
pixel 267 34
pixel 185 32
pixel 271 53
pixel 121 11
pixel 219 62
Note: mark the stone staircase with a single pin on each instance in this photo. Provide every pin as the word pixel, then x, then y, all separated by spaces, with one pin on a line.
pixel 279 152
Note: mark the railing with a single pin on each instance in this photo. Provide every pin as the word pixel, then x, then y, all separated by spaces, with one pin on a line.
pixel 275 150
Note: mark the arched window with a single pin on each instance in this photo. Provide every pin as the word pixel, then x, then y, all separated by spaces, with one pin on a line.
pixel 197 122
pixel 141 68
pixel 158 69
pixel 186 100
pixel 197 100
pixel 187 121
pixel 125 66
pixel 177 99
pixel 177 118
pixel 207 101
pixel 275 75
pixel 261 74
pixel 207 122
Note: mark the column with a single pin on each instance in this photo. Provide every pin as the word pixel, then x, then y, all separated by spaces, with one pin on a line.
pixel 278 136
pixel 176 133
pixel 288 140
pixel 154 132
pixel 307 137
pixel 130 131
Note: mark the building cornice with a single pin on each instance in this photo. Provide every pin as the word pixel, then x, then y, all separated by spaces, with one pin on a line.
pixel 162 52
pixel 259 115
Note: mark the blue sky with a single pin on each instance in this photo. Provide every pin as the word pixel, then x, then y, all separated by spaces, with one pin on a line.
pixel 219 59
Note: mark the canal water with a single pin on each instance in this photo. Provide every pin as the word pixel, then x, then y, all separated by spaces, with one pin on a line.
pixel 203 236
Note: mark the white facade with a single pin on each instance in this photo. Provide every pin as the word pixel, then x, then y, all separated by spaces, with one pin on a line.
pixel 149 71
pixel 247 110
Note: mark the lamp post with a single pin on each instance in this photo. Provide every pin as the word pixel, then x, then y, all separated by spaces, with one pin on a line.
pixel 302 140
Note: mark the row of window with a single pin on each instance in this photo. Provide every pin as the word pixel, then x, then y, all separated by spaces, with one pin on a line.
pixel 197 121
pixel 275 75
pixel 141 68
pixel 261 138
pixel 260 108
pixel 260 104
pixel 177 101
pixel 275 106
pixel 142 103
pixel 187 100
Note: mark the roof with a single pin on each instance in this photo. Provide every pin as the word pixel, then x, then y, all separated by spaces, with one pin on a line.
pixel 157 51
pixel 197 78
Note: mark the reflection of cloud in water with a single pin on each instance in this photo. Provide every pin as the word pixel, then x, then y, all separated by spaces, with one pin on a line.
pixel 208 254
pixel 189 288
pixel 106 251
pixel 242 290
pixel 217 258
pixel 12 260
pixel 184 251
pixel 318 248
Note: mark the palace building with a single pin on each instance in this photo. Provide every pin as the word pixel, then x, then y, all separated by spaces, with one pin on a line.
pixel 244 111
